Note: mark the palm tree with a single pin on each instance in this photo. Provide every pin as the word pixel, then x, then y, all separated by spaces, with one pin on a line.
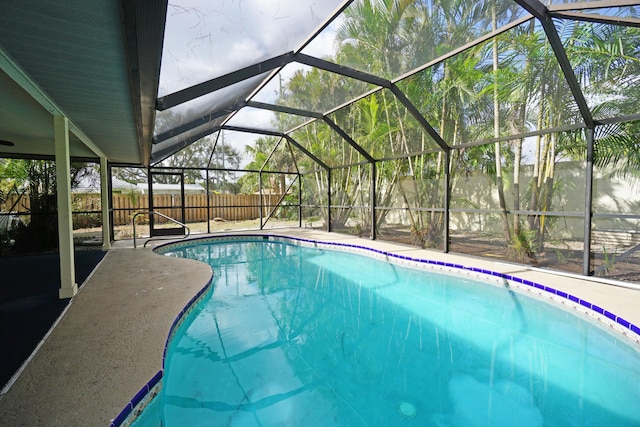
pixel 534 84
pixel 376 35
pixel 259 152
pixel 38 178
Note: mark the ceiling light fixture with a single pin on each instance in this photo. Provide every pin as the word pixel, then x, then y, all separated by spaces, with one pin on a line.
pixel 7 143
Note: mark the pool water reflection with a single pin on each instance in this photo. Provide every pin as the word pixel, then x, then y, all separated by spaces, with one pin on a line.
pixel 296 335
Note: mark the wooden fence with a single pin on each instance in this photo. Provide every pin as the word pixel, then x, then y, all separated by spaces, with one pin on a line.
pixel 230 207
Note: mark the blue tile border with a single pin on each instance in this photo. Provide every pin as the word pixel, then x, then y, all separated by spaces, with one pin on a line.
pixel 134 404
pixel 156 380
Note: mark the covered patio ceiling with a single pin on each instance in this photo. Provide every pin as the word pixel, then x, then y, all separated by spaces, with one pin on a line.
pixel 95 62
pixel 136 91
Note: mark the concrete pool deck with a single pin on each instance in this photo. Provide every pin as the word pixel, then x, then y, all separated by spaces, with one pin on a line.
pixel 109 342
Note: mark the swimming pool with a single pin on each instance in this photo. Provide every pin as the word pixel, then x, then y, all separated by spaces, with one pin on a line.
pixel 294 334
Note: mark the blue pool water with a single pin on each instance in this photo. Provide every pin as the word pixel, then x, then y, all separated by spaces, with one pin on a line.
pixel 301 336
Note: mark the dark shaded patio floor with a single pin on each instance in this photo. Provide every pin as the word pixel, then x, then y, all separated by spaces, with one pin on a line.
pixel 29 303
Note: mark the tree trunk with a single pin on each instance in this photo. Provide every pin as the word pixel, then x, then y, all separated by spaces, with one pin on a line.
pixel 496 133
pixel 534 220
pixel 516 170
pixel 548 188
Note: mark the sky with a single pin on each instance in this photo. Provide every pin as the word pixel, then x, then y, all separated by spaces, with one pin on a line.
pixel 207 39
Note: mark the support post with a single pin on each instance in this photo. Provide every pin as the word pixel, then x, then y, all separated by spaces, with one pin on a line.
pixel 299 200
pixel 447 199
pixel 208 200
pixel 372 198
pixel 261 198
pixel 68 285
pixel 588 204
pixel 329 200
pixel 150 200
pixel 105 192
pixel 112 231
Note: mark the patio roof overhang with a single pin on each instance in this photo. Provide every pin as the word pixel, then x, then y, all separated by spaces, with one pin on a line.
pixel 95 63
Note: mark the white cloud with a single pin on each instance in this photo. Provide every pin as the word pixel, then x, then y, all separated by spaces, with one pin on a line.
pixel 205 39
pixel 254 118
pixel 323 44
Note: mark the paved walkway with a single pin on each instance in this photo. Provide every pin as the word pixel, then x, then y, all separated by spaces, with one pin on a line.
pixel 109 343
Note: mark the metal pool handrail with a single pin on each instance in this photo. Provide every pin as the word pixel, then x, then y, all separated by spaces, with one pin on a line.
pixel 133 221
